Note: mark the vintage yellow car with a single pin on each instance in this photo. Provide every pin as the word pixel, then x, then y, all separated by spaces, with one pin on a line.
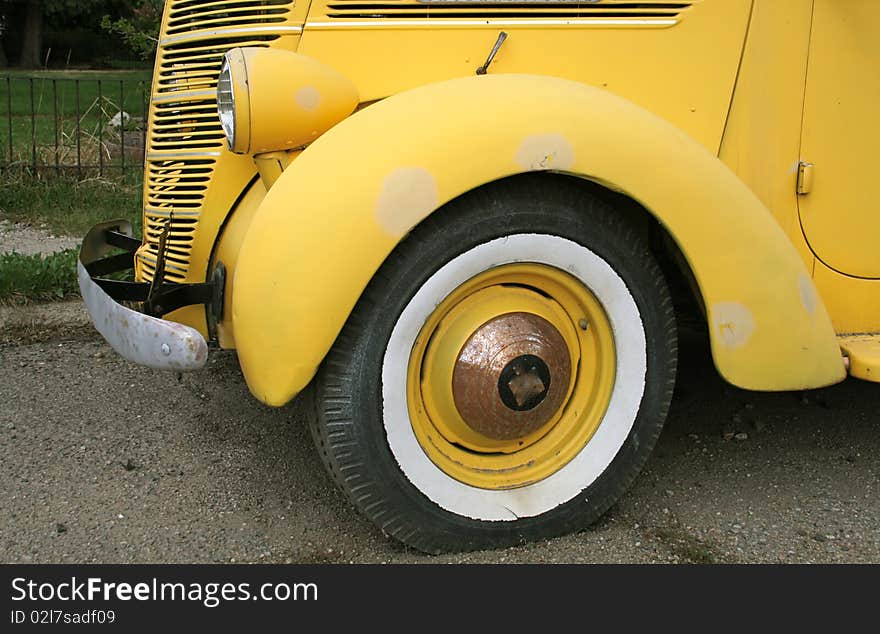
pixel 471 227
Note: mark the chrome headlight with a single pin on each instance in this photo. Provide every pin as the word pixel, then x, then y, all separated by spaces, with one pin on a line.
pixel 226 103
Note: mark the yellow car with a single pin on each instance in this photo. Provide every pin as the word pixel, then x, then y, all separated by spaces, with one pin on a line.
pixel 473 226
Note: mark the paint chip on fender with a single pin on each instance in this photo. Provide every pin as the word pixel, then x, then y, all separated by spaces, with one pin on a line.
pixel 809 298
pixel 545 152
pixel 408 195
pixel 733 323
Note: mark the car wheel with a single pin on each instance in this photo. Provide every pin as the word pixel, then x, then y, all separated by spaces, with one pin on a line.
pixel 506 373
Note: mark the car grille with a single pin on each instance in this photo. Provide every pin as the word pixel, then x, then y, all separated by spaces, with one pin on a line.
pixel 647 12
pixel 185 137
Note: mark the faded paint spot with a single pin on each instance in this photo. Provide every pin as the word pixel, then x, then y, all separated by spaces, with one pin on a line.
pixel 408 195
pixel 809 298
pixel 545 152
pixel 733 323
pixel 308 98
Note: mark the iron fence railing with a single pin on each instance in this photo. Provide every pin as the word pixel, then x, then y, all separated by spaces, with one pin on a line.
pixel 79 127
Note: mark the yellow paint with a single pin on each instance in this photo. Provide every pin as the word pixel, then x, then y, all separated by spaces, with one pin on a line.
pixel 729 75
pixel 685 73
pixel 840 137
pixel 284 100
pixel 309 98
pixel 285 324
pixel 863 352
pixel 231 175
pixel 228 249
pixel 809 297
pixel 271 165
pixel 762 145
pixel 545 152
pixel 187 64
pixel 464 453
pixel 408 194
pixel 680 65
pixel 762 139
pixel 732 323
pixel 853 303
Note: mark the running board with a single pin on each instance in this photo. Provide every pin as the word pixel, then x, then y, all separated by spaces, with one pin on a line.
pixel 863 355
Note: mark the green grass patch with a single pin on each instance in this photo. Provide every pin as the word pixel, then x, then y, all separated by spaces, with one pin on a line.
pixel 64 207
pixel 25 278
pixel 69 207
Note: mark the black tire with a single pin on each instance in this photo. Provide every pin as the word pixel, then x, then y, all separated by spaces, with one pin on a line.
pixel 348 423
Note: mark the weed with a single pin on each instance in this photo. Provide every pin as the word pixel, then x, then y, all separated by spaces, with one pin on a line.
pixel 26 278
pixel 68 207
pixel 682 543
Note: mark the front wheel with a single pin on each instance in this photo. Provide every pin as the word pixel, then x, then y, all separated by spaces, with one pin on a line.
pixel 506 373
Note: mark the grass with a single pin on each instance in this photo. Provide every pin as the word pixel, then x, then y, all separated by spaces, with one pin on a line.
pixel 56 124
pixel 125 75
pixel 26 278
pixel 63 207
pixel 35 278
pixel 62 118
pixel 68 207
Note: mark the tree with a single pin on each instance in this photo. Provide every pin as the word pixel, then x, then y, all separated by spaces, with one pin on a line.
pixel 3 26
pixel 140 29
pixel 32 44
pixel 32 15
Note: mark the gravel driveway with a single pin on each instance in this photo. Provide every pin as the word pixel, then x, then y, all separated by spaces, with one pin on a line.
pixel 104 461
pixel 28 240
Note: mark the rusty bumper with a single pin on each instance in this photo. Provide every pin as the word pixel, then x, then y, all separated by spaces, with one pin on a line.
pixel 139 337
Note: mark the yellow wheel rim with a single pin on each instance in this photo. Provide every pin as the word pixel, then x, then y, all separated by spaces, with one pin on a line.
pixel 574 404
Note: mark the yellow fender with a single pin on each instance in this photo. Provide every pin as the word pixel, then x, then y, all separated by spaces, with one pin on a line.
pixel 333 217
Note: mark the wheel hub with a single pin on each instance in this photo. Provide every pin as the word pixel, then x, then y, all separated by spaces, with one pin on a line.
pixel 504 386
pixel 524 382
pixel 511 376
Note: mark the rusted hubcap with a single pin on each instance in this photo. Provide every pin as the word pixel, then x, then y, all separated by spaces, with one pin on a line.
pixel 511 376
pixel 503 386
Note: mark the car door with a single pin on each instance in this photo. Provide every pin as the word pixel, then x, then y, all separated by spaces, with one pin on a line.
pixel 841 136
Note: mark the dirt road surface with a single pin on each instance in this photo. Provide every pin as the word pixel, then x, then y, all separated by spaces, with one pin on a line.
pixel 29 240
pixel 104 461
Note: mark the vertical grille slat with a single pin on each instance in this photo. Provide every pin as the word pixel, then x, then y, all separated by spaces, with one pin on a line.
pixel 185 136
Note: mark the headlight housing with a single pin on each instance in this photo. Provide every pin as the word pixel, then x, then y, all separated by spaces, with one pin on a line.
pixel 233 100
pixel 271 99
pixel 226 103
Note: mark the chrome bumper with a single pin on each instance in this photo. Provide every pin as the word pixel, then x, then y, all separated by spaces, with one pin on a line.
pixel 141 338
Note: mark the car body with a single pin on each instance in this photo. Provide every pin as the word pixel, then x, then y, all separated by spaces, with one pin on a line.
pixel 731 139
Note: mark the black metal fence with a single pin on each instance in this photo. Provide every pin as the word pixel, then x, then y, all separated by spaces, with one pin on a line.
pixel 75 127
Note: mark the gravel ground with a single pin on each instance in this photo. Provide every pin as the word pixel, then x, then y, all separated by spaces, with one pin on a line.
pixel 28 240
pixel 104 461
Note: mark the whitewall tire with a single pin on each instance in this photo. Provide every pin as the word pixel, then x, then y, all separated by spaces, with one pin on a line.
pixel 443 463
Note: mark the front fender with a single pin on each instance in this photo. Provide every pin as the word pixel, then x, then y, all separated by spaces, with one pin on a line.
pixel 338 211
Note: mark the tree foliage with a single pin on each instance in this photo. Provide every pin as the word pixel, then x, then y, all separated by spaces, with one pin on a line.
pixel 140 29
pixel 23 23
pixel 67 9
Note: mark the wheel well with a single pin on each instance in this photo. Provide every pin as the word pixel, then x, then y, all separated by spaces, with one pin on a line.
pixel 690 311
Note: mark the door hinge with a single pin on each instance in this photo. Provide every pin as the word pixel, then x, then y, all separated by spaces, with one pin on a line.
pixel 804 178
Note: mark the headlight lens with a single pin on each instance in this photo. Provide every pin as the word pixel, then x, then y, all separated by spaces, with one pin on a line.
pixel 274 100
pixel 226 103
